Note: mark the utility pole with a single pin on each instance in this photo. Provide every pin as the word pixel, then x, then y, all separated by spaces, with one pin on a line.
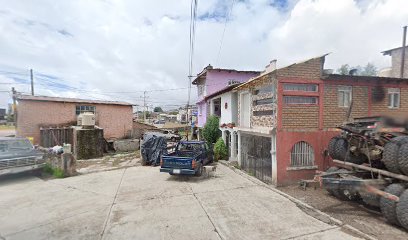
pixel 144 106
pixel 13 91
pixel 32 82
pixel 404 38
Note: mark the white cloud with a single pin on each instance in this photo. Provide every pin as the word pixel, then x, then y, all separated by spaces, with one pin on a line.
pixel 126 45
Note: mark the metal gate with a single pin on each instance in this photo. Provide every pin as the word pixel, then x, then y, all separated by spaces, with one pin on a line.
pixel 256 156
pixel 56 136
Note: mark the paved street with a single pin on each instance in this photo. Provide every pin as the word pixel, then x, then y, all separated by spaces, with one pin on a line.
pixel 141 203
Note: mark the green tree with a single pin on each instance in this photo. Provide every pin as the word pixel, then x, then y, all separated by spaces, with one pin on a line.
pixel 344 69
pixel 220 150
pixel 369 70
pixel 157 109
pixel 211 131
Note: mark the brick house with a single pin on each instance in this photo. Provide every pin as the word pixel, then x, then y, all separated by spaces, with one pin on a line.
pixel 396 62
pixel 211 80
pixel 287 116
pixel 34 112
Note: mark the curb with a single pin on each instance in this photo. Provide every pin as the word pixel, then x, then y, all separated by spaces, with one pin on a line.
pixel 311 211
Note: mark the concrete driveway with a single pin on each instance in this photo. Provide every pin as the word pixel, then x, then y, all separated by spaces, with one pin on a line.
pixel 141 203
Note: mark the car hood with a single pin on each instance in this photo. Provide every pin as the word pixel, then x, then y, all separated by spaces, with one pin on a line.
pixel 21 154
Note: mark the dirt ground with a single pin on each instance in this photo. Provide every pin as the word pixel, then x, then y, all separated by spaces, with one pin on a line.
pixel 109 161
pixel 367 220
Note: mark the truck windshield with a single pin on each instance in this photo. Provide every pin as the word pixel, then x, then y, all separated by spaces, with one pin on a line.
pixel 183 147
pixel 14 145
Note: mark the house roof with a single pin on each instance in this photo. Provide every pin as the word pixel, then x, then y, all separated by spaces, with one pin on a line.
pixel 224 90
pixel 274 71
pixel 388 52
pixel 70 100
pixel 203 73
pixel 333 77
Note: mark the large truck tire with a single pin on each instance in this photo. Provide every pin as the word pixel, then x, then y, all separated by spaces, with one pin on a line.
pixel 402 209
pixel 338 191
pixel 331 147
pixel 388 207
pixel 370 199
pixel 341 148
pixel 351 158
pixel 403 158
pixel 390 156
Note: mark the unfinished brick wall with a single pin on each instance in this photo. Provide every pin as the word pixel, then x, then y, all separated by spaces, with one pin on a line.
pixel 381 107
pixel 116 120
pixel 334 115
pixel 310 69
pixel 300 117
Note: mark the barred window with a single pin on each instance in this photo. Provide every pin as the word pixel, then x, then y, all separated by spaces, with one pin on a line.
pixel 83 109
pixel 299 100
pixel 393 97
pixel 302 155
pixel 300 87
pixel 345 96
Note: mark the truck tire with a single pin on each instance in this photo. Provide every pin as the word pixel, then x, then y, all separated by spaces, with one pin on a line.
pixel 331 147
pixel 370 199
pixel 199 171
pixel 390 156
pixel 340 149
pixel 388 207
pixel 402 212
pixel 330 188
pixel 403 159
pixel 342 193
pixel 351 158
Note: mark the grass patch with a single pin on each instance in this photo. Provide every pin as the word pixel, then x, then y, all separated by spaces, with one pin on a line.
pixel 56 172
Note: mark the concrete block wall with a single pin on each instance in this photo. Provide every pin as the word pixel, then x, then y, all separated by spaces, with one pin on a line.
pixel 334 115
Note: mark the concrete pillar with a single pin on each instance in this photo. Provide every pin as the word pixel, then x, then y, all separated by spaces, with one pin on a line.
pixel 224 136
pixel 274 160
pixel 239 148
pixel 233 146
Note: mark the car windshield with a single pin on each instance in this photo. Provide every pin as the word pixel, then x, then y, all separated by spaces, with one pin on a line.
pixel 185 147
pixel 14 145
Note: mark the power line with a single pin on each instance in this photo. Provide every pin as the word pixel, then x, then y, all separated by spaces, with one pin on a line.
pixel 223 32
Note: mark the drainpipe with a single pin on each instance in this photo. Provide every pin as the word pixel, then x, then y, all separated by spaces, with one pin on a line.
pixel 404 37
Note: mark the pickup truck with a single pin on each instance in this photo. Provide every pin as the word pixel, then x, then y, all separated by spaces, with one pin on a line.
pixel 18 155
pixel 188 158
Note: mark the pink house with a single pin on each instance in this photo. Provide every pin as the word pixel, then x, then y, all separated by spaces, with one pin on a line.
pixel 212 80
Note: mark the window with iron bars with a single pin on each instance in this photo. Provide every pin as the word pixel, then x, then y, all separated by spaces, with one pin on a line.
pixel 302 155
pixel 84 109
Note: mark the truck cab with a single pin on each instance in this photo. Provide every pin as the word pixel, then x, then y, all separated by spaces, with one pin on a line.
pixel 188 158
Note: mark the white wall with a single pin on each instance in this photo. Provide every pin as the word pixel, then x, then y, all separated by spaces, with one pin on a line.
pixel 229 115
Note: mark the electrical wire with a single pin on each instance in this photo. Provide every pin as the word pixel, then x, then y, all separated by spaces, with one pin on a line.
pixel 223 32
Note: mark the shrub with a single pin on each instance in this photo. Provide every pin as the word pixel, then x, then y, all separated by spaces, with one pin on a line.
pixel 220 150
pixel 47 168
pixel 211 131
pixel 58 173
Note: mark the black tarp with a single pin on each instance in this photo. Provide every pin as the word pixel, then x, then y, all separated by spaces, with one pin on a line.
pixel 153 147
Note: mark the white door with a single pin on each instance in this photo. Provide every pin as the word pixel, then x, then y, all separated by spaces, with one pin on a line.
pixel 244 111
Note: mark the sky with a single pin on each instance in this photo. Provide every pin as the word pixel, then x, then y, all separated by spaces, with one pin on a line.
pixel 116 49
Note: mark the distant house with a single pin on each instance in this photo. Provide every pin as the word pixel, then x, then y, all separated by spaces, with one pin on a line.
pixel 34 112
pixel 396 62
pixel 212 80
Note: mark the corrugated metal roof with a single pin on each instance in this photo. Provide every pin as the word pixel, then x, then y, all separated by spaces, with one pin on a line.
pixel 388 52
pixel 71 100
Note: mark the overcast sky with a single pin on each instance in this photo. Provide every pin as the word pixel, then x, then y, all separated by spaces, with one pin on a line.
pixel 115 49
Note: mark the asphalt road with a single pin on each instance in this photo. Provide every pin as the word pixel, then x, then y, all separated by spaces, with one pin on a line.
pixel 141 203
